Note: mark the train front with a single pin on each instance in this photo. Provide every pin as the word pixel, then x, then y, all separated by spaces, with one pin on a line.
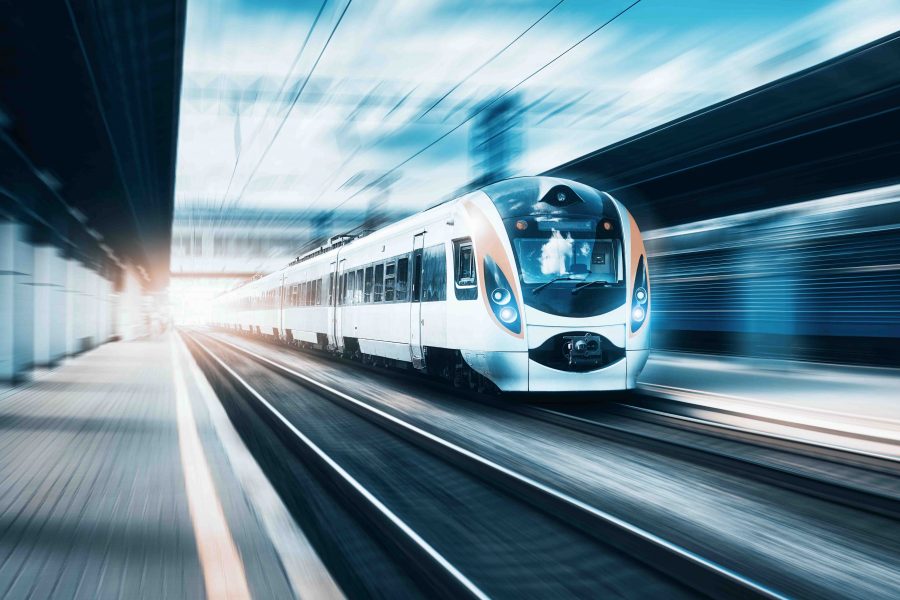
pixel 583 284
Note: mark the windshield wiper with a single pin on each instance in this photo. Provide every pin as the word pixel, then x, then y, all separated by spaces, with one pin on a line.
pixel 554 280
pixel 588 284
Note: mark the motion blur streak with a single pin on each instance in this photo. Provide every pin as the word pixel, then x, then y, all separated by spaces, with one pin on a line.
pixel 824 268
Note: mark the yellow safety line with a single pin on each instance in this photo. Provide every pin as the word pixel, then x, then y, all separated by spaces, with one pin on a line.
pixel 223 570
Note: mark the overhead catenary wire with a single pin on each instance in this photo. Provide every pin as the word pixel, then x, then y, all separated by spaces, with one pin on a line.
pixel 456 86
pixel 487 105
pixel 293 103
pixel 489 61
pixel 278 94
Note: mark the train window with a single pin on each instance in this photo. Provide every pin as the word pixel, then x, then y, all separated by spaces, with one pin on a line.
pixel 326 281
pixel 351 287
pixel 348 289
pixel 402 279
pixel 304 291
pixel 390 273
pixel 434 274
pixel 377 284
pixel 465 278
pixel 368 284
pixel 358 296
pixel 314 301
pixel 417 276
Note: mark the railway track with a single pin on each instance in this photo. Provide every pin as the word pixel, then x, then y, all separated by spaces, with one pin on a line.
pixel 662 563
pixel 862 480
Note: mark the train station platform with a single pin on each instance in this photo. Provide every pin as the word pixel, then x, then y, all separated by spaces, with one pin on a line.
pixel 121 478
pixel 853 406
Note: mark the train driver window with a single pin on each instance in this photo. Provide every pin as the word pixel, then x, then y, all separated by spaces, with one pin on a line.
pixel 465 279
pixel 390 272
pixel 402 279
pixel 368 285
pixel 379 280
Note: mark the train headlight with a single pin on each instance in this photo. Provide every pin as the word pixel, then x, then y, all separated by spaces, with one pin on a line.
pixel 508 314
pixel 502 302
pixel 500 296
pixel 640 297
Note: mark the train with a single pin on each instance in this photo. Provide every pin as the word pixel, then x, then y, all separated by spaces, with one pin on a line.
pixel 529 284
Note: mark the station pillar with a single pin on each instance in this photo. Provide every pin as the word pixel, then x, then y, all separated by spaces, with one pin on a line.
pixel 73 305
pixel 58 296
pixel 49 306
pixel 16 302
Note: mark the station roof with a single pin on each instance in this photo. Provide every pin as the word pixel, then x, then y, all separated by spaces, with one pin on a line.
pixel 825 130
pixel 90 101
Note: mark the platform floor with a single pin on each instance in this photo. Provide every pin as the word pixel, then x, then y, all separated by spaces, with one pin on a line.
pixel 94 498
pixel 863 402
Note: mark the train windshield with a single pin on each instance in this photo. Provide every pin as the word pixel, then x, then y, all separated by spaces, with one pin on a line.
pixel 567 250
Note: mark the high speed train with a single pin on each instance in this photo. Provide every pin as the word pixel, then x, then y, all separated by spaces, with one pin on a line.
pixel 531 284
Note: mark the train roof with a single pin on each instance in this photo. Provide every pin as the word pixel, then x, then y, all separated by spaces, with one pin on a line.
pixel 512 196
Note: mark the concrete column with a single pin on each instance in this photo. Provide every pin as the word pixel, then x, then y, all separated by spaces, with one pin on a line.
pixel 89 337
pixel 102 309
pixel 49 306
pixel 58 298
pixel 73 284
pixel 83 304
pixel 16 302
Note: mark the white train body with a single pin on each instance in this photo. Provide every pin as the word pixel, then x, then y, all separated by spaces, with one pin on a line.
pixel 535 283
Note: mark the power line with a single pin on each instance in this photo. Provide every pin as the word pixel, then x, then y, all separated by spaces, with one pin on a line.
pixel 489 61
pixel 293 102
pixel 385 136
pixel 486 106
pixel 277 95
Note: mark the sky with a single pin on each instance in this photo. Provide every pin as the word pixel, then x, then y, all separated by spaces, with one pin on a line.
pixel 284 110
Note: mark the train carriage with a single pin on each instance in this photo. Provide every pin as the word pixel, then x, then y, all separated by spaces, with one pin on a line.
pixel 531 284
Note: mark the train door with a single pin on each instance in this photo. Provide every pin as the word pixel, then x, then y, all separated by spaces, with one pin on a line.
pixel 338 301
pixel 331 297
pixel 281 309
pixel 415 306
